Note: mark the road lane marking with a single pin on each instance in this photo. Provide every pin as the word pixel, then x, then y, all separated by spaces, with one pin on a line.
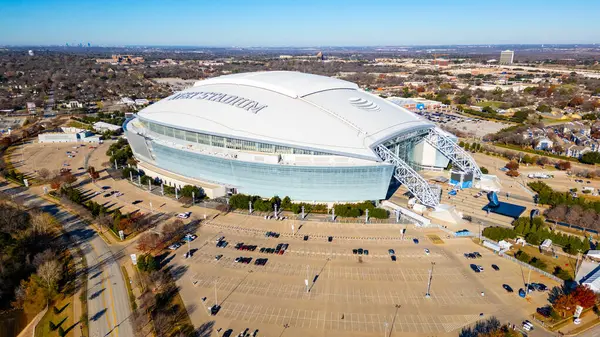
pixel 112 300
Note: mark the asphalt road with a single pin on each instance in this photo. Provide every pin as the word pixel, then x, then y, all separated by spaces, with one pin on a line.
pixel 108 301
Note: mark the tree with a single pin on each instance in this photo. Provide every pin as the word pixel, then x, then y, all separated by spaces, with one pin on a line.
pixel 30 296
pixel 172 230
pixel 188 190
pixel 565 305
pixel 94 175
pixel 43 173
pixel 584 296
pixel 50 272
pixel 512 173
pixel 43 223
pixel 148 242
pixel 563 165
pixel 512 165
pixel 590 158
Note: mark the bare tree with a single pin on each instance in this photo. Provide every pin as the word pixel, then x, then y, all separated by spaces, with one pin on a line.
pixel 50 272
pixel 43 223
pixel 43 257
pixel 172 229
pixel 148 242
pixel 43 173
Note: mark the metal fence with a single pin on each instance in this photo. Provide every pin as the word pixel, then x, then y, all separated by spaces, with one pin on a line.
pixel 525 264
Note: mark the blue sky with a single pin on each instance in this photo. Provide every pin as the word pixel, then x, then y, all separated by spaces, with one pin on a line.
pixel 298 23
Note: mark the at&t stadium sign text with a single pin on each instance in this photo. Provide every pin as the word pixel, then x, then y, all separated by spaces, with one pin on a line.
pixel 236 101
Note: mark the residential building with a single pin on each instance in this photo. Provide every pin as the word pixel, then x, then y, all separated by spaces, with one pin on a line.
pixel 127 101
pixel 141 101
pixel 544 144
pixel 577 151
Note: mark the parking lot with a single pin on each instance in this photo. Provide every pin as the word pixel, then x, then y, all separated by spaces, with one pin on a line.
pixel 348 294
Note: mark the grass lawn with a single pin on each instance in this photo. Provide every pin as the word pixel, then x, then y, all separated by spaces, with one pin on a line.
pixel 128 281
pixel 493 104
pixel 63 319
pixel 562 261
pixel 76 124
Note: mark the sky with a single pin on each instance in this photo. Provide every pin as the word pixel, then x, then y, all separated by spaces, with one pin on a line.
pixel 298 23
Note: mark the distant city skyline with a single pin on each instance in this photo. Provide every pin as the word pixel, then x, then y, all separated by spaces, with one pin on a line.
pixel 305 23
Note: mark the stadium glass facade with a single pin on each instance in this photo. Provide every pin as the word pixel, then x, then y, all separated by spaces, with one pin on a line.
pixel 307 183
pixel 225 142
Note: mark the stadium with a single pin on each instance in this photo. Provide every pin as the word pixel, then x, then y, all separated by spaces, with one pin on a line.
pixel 309 137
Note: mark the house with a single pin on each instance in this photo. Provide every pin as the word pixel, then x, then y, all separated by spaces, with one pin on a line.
pixel 74 104
pixel 544 144
pixel 31 107
pixel 141 102
pixel 127 101
pixel 576 151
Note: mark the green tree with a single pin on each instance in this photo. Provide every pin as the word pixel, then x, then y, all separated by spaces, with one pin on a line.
pixel 188 190
pixel 590 158
pixel 484 170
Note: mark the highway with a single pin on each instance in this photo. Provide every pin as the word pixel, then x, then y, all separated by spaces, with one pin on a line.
pixel 108 301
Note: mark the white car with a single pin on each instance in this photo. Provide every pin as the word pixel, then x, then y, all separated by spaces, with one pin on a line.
pixel 577 321
pixel 184 215
pixel 426 251
pixel 174 246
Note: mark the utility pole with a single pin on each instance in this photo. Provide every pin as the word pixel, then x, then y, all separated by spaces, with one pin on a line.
pixel 193 198
pixel 367 216
pixel 249 207
pixel 149 185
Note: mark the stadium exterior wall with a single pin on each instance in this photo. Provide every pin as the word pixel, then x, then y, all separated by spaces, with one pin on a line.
pixel 308 183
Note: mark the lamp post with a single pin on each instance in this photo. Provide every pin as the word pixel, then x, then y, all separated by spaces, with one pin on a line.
pixel 428 295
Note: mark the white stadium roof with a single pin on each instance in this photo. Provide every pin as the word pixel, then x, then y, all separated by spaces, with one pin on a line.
pixel 287 108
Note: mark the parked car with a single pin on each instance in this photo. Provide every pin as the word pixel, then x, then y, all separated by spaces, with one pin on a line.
pixel 477 255
pixel 360 251
pixel 187 255
pixel 426 251
pixel 393 258
pixel 416 241
pixel 189 237
pixel 366 252
pixel 391 251
pixel 218 257
pixel 495 267
pixel 174 246
pixel 544 311
pixel 475 268
pixel 184 215
pixel 330 238
pixel 305 237
pixel 480 267
pixel 507 288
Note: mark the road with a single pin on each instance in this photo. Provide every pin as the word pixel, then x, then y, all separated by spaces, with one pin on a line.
pixel 108 300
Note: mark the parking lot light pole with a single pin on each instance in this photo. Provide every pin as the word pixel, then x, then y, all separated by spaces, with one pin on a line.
pixel 302 213
pixel 249 207
pixel 385 327
pixel 149 185
pixel 427 295
pixel 275 211
pixel 193 198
